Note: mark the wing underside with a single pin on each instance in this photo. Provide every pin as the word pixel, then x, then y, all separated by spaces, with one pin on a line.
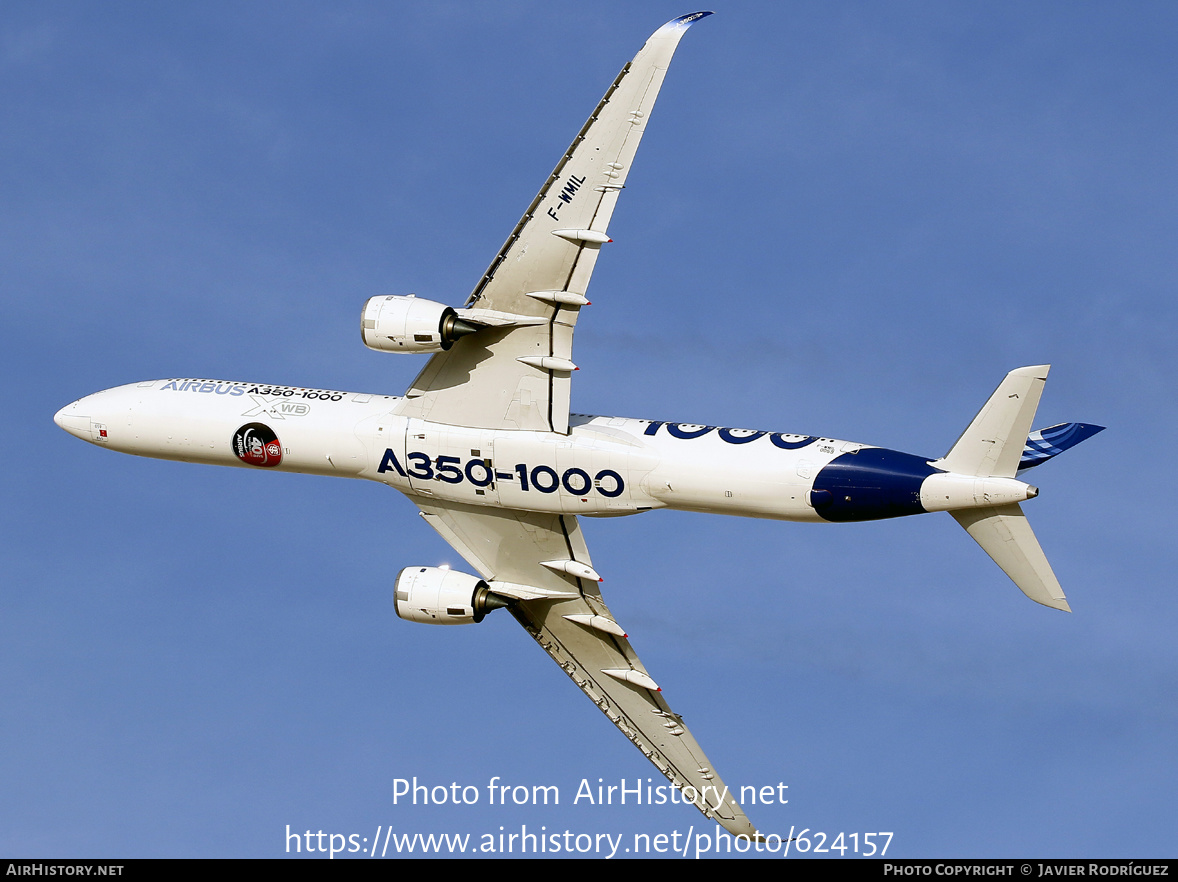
pixel 516 375
pixel 518 554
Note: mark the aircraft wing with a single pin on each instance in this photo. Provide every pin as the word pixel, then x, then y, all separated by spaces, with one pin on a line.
pixel 515 373
pixel 565 614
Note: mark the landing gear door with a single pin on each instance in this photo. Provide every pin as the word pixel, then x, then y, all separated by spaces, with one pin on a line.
pixel 450 462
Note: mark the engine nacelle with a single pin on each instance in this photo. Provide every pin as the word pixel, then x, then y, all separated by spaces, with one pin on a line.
pixel 410 324
pixel 436 596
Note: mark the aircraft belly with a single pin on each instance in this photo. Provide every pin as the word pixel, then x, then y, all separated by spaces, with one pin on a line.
pixel 568 474
pixel 746 487
pixel 528 471
pixel 732 471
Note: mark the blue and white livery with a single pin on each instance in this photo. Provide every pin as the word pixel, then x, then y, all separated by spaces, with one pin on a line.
pixel 484 443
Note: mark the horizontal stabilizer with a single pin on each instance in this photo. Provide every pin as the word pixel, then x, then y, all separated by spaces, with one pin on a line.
pixel 1054 440
pixel 1005 535
pixel 993 443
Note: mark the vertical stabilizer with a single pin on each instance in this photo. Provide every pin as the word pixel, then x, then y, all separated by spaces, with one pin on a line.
pixel 993 443
pixel 1005 535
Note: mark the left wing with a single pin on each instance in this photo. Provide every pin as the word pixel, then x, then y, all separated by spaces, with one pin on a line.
pixel 515 373
pixel 529 556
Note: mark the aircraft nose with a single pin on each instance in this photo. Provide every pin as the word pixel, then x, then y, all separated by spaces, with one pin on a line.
pixel 74 422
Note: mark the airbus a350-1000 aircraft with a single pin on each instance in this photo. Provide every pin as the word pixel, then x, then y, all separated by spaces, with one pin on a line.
pixel 484 444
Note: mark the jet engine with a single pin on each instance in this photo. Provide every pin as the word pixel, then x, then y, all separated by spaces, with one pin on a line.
pixel 411 324
pixel 437 596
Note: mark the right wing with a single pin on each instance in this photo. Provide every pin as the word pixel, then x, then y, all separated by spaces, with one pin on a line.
pixel 540 275
pixel 565 614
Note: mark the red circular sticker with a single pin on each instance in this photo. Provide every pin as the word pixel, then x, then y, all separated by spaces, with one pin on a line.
pixel 256 444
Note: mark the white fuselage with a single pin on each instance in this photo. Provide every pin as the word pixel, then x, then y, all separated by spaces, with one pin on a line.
pixel 605 466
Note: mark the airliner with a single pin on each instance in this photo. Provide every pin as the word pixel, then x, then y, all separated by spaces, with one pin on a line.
pixel 485 444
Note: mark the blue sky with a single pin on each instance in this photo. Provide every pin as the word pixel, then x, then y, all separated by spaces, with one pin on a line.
pixel 845 219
